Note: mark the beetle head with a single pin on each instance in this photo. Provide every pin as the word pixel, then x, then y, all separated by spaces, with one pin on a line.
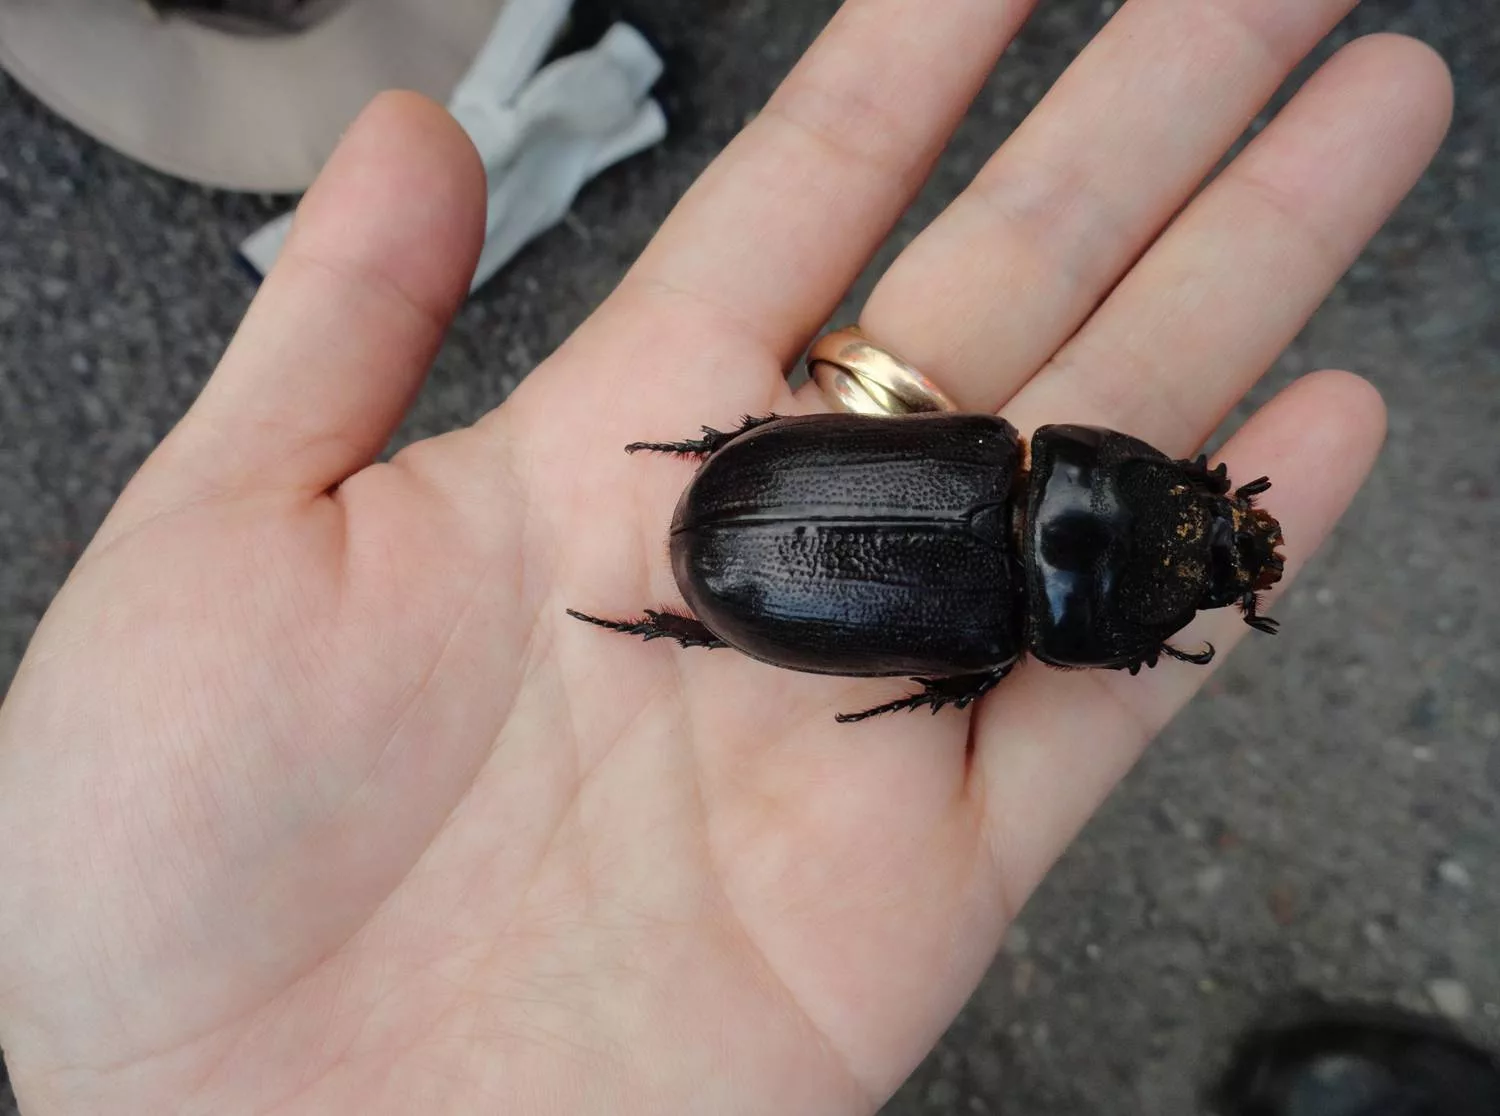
pixel 1242 548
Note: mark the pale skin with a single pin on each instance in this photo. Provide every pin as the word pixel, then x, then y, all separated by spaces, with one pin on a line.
pixel 313 799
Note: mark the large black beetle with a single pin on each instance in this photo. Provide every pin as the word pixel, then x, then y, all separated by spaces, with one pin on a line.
pixel 927 546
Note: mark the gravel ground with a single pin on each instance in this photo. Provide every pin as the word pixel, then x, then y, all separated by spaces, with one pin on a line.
pixel 1322 819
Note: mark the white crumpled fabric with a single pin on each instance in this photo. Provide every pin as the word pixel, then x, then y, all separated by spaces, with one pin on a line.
pixel 542 135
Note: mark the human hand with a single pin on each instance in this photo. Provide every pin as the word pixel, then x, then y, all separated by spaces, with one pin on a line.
pixel 313 799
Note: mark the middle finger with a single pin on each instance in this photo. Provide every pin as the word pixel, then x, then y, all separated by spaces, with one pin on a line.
pixel 1086 182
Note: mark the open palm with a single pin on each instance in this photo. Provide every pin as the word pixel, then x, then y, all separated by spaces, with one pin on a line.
pixel 313 799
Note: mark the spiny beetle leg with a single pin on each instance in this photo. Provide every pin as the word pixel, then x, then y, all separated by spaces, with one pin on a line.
pixel 711 442
pixel 658 625
pixel 1215 480
pixel 960 691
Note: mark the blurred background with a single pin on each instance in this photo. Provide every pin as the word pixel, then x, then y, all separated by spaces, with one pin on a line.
pixel 1322 818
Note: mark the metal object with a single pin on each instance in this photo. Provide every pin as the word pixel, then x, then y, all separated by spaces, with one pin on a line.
pixel 858 376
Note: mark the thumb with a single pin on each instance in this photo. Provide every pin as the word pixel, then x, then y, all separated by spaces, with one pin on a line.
pixel 340 336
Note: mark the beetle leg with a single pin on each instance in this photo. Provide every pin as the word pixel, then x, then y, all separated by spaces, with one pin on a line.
pixel 1249 603
pixel 1254 488
pixel 711 442
pixel 1197 658
pixel 659 625
pixel 1152 657
pixel 1215 480
pixel 1256 621
pixel 960 691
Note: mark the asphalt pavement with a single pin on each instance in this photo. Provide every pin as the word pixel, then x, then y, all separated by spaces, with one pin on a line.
pixel 1322 819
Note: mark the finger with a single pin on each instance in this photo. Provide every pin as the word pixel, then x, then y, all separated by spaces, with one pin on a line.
pixel 990 290
pixel 342 331
pixel 1234 280
pixel 778 228
pixel 1053 744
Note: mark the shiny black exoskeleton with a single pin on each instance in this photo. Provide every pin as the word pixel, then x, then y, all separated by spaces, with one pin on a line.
pixel 924 546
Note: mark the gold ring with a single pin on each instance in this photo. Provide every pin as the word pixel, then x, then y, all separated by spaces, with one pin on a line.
pixel 860 377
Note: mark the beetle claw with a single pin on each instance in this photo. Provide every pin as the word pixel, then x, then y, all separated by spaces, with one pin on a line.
pixel 1264 624
pixel 1250 604
pixel 1197 658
